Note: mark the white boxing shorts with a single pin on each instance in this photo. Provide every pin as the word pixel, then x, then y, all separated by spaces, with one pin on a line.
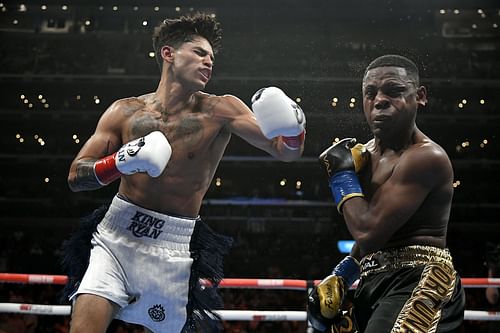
pixel 142 261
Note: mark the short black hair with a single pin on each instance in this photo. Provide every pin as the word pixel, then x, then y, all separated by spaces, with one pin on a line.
pixel 174 32
pixel 394 60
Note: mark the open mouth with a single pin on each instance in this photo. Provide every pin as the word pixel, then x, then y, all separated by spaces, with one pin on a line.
pixel 206 73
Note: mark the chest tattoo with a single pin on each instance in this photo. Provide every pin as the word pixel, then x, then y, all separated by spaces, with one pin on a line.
pixel 188 130
pixel 143 125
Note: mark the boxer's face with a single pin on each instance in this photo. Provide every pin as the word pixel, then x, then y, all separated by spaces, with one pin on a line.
pixel 389 100
pixel 193 62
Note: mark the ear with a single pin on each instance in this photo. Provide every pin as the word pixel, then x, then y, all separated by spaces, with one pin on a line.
pixel 167 53
pixel 422 96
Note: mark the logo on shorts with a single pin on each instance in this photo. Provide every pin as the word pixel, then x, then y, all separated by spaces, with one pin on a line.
pixel 144 225
pixel 157 313
pixel 369 264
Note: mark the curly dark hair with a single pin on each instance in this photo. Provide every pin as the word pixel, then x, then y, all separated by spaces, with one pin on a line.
pixel 174 32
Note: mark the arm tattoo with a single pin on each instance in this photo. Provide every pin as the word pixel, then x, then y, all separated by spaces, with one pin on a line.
pixel 85 177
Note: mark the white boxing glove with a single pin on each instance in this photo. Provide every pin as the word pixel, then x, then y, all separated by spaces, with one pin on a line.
pixel 149 154
pixel 278 115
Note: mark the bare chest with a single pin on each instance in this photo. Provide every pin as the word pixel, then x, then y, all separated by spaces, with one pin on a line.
pixel 382 169
pixel 187 130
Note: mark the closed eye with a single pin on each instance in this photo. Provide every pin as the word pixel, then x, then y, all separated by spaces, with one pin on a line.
pixel 203 53
pixel 395 91
pixel 370 93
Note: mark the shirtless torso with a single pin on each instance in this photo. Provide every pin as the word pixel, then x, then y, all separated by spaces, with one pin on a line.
pixel 198 133
pixel 392 171
pixel 408 185
pixel 195 128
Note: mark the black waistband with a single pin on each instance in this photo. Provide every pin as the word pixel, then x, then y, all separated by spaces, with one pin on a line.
pixel 407 256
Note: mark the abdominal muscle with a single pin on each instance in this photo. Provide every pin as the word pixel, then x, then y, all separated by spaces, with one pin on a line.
pixel 419 234
pixel 168 195
pixel 180 189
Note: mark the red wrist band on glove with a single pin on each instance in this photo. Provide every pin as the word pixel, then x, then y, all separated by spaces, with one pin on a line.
pixel 294 142
pixel 105 170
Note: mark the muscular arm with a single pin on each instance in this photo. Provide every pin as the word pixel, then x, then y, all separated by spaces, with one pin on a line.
pixel 241 121
pixel 373 221
pixel 105 140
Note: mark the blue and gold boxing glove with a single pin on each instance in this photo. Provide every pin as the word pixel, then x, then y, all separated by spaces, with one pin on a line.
pixel 342 161
pixel 325 300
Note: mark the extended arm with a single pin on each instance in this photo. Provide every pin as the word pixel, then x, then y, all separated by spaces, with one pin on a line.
pixel 276 126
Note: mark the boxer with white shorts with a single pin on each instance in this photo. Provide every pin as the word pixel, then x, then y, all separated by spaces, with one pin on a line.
pixel 149 249
pixel 147 259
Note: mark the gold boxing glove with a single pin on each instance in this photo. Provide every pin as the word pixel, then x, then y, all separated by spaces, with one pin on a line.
pixel 331 295
pixel 325 302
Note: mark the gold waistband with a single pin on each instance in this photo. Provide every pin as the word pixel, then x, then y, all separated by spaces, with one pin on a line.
pixel 401 257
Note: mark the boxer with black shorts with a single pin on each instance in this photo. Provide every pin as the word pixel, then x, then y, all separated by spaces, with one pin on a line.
pixel 144 255
pixel 395 195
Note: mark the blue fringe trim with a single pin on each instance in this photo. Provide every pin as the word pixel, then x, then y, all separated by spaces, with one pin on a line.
pixel 208 249
pixel 76 251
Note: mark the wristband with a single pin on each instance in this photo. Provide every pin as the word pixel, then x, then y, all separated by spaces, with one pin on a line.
pixel 348 269
pixel 344 185
pixel 105 170
pixel 294 142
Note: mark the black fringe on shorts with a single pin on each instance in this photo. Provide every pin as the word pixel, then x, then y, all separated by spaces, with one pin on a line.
pixel 207 250
pixel 76 251
pixel 207 247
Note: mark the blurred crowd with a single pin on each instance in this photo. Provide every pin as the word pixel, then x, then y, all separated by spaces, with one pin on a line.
pixel 119 56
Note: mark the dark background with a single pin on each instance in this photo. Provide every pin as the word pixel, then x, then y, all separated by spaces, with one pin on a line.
pixel 54 67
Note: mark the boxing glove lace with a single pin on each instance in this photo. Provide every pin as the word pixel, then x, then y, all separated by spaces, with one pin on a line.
pixel 278 115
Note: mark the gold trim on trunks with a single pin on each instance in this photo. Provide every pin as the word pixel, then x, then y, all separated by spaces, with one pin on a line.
pixel 400 257
pixel 422 311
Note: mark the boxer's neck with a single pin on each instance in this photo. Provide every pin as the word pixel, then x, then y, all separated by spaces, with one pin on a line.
pixel 171 97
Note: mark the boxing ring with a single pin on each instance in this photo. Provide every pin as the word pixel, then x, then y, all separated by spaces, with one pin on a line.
pixel 228 315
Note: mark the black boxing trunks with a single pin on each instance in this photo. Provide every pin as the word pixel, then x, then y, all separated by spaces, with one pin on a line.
pixel 409 289
pixel 150 264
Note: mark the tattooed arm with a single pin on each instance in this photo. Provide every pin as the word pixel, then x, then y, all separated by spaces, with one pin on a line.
pixel 106 139
pixel 85 179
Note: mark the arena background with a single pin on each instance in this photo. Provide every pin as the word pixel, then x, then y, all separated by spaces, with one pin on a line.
pixel 63 63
